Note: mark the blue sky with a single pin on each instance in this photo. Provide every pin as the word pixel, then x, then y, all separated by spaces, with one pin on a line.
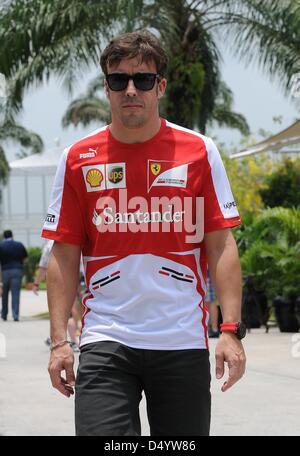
pixel 255 96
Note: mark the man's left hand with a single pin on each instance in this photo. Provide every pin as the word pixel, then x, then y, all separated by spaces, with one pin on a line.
pixel 230 350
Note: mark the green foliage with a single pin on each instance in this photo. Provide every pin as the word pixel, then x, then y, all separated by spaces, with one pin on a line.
pixel 185 82
pixel 273 251
pixel 282 221
pixel 11 130
pixel 65 37
pixel 283 186
pixel 223 112
pixel 61 37
pixel 31 264
pixel 243 234
pixel 247 177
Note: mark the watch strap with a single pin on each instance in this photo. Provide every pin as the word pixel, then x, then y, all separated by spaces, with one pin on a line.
pixel 229 326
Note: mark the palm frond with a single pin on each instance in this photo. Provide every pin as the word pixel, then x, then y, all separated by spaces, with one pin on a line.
pixel 265 32
pixel 223 113
pixel 61 37
pixel 277 221
pixel 64 38
pixel 85 110
pixel 96 85
pixel 4 168
pixel 11 130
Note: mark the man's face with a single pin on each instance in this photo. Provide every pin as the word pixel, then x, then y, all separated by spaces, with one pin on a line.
pixel 131 107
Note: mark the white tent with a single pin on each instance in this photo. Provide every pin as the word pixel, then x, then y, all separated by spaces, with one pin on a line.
pixel 25 198
pixel 37 164
pixel 286 141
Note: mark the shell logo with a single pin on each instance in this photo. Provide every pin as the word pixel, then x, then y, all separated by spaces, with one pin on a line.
pixel 94 177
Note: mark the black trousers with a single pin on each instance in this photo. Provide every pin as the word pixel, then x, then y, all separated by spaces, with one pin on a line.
pixel 112 376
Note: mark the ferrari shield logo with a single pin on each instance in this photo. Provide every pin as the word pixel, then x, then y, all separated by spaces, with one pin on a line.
pixel 155 168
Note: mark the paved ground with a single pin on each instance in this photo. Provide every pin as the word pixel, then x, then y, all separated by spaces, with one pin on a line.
pixel 266 402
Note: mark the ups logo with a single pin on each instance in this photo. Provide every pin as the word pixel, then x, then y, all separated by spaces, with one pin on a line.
pixel 115 175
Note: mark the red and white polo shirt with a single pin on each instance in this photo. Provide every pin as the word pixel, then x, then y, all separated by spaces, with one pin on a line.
pixel 138 211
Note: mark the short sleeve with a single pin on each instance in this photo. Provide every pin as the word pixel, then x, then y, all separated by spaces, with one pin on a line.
pixel 64 220
pixel 220 210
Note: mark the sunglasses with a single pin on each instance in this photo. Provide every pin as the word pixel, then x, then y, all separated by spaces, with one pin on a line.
pixel 141 81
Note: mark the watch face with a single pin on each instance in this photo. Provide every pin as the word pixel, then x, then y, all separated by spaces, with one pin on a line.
pixel 241 330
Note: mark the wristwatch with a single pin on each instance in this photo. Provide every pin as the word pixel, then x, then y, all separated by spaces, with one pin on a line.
pixel 237 327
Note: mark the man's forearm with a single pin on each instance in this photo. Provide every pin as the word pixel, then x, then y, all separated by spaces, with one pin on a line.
pixel 62 282
pixel 225 270
pixel 40 275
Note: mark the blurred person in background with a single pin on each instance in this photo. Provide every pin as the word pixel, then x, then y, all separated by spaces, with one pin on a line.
pixel 12 256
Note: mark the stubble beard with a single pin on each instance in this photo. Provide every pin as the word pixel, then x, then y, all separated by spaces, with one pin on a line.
pixel 133 120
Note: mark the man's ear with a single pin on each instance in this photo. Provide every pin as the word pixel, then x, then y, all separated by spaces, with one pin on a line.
pixel 162 85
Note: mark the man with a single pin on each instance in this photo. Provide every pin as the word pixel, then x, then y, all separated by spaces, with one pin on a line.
pixel 122 196
pixel 12 256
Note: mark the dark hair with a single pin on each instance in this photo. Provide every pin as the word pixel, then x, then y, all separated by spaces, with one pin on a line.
pixel 141 44
pixel 7 234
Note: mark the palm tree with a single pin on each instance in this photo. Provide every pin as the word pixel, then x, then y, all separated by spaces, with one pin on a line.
pixel 4 167
pixel 88 107
pixel 10 130
pixel 64 37
pixel 261 30
pixel 223 113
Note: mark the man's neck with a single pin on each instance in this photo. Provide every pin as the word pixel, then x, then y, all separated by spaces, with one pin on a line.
pixel 134 135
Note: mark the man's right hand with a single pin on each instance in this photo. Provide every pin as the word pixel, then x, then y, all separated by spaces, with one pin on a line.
pixel 62 359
